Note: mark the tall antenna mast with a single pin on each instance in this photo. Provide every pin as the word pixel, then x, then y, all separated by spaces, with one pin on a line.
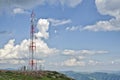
pixel 32 41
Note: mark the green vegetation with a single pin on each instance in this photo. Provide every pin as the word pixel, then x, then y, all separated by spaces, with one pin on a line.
pixel 39 75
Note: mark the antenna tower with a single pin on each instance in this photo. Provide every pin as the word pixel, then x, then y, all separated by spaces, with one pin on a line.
pixel 32 46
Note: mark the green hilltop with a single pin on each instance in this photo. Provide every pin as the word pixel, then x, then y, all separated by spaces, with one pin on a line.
pixel 32 75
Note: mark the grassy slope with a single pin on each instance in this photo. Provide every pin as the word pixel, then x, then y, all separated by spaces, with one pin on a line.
pixel 44 75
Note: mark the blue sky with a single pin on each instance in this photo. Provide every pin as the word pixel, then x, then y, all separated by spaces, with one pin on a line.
pixel 72 35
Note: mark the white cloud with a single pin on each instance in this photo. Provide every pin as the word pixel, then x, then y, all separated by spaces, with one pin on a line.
pixel 94 62
pixel 107 7
pixel 43 26
pixel 79 61
pixel 68 52
pixel 111 25
pixel 73 62
pixel 56 22
pixel 43 50
pixel 83 52
pixel 7 52
pixel 19 11
pixel 92 52
pixel 79 57
pixel 12 53
pixel 73 28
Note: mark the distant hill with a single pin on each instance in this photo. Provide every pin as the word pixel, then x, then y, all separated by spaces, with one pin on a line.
pixel 93 76
pixel 32 75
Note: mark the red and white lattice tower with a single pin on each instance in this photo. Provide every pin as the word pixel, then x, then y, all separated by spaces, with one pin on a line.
pixel 32 46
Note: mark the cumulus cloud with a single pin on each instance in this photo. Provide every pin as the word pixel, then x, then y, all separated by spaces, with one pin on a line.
pixel 12 52
pixel 15 54
pixel 43 49
pixel 107 7
pixel 42 26
pixel 56 22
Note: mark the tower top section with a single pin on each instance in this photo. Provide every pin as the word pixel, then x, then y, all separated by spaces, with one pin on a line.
pixel 32 18
pixel 32 14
